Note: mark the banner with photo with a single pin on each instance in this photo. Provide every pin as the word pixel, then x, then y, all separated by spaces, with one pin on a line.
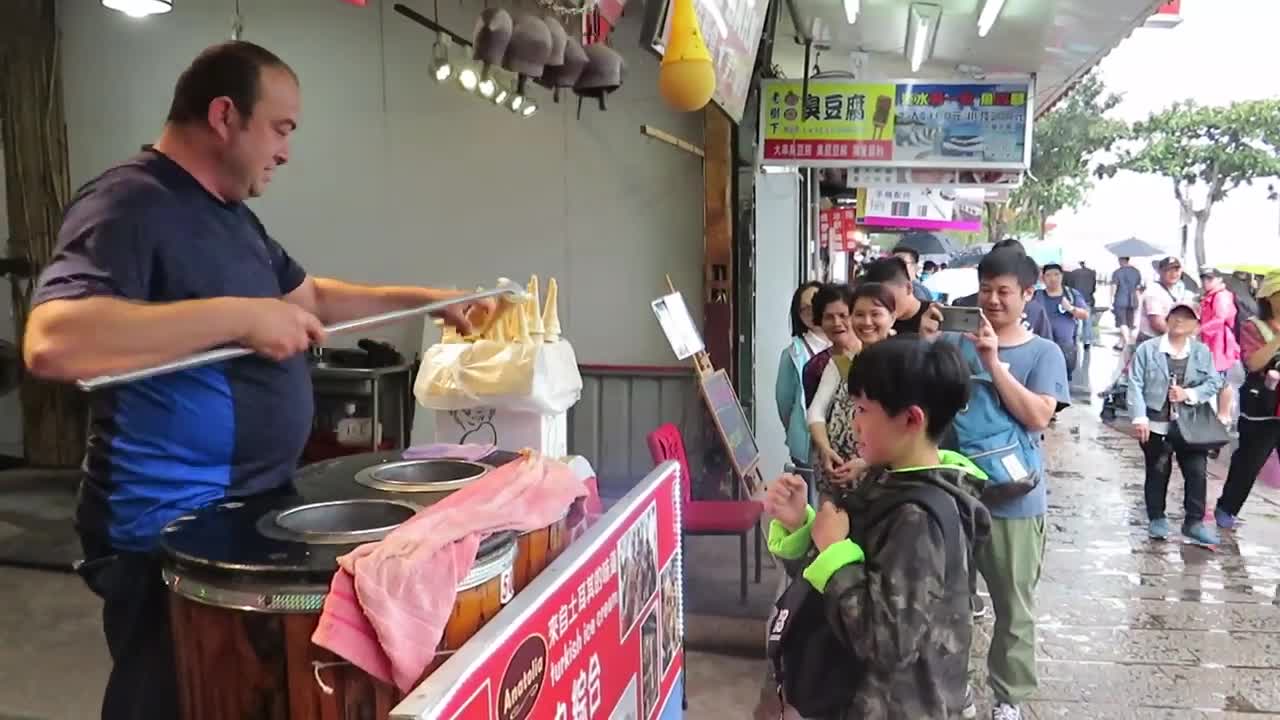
pixel 926 124
pixel 916 208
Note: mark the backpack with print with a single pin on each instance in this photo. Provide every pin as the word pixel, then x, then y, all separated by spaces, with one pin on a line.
pixel 989 435
pixel 1256 401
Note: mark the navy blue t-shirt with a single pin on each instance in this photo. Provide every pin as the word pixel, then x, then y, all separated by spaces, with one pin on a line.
pixel 146 230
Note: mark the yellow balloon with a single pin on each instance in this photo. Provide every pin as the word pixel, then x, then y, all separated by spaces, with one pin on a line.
pixel 686 79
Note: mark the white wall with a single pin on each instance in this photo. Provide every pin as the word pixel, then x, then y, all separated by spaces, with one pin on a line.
pixel 395 179
pixel 778 273
pixel 10 409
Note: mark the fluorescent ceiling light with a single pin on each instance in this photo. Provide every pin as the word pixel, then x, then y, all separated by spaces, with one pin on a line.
pixel 139 8
pixel 851 8
pixel 990 11
pixel 922 33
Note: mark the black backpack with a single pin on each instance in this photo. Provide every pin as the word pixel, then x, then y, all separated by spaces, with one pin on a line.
pixel 1246 305
pixel 812 665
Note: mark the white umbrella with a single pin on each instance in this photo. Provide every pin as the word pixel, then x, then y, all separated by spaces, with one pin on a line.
pixel 954 283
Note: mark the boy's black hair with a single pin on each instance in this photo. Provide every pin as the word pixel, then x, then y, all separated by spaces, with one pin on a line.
pixel 1009 262
pixel 829 293
pixel 930 266
pixel 907 250
pixel 798 327
pixel 904 371
pixel 887 270
pixel 1052 266
pixel 1009 244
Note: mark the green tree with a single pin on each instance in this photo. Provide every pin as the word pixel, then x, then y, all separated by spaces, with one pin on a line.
pixel 1206 152
pixel 1065 142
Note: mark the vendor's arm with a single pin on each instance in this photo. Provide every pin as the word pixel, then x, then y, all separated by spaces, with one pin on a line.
pixel 91 314
pixel 882 610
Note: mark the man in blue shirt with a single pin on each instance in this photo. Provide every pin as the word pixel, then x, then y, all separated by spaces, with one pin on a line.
pixel 1066 308
pixel 1126 281
pixel 1030 376
pixel 159 258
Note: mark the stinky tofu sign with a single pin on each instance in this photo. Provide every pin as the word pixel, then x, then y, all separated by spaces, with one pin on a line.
pixel 842 123
pixel 597 636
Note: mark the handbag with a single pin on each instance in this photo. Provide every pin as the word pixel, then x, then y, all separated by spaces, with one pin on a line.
pixel 1200 427
pixel 1256 399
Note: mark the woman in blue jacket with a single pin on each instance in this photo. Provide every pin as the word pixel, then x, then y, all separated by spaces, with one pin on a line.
pixel 807 340
pixel 1170 372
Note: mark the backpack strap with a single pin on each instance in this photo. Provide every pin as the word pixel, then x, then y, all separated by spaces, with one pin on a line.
pixel 1263 328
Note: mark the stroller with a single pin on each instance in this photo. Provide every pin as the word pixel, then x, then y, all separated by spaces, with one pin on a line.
pixel 1115 399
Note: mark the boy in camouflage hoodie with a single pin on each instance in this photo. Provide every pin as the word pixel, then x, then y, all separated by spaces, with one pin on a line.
pixel 900 611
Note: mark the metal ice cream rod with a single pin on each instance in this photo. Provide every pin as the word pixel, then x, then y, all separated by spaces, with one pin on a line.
pixel 504 287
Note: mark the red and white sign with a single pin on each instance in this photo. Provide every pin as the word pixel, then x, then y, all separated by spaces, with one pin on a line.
pixel 837 228
pixel 1166 16
pixel 595 637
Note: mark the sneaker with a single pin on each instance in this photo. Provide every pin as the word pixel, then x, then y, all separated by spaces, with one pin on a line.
pixel 970 710
pixel 1200 534
pixel 1005 711
pixel 1225 520
pixel 1159 529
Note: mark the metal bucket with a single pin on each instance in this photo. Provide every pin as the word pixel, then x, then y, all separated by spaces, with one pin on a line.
pixel 338 522
pixel 417 476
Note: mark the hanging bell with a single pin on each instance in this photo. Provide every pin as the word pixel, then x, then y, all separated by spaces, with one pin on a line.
pixel 686 79
pixel 530 46
pixel 601 76
pixel 491 37
pixel 566 74
pixel 558 39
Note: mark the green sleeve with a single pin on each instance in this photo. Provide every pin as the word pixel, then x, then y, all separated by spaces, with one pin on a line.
pixel 845 552
pixel 791 545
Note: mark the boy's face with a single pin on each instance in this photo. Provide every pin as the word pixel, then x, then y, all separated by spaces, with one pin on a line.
pixel 1003 299
pixel 881 437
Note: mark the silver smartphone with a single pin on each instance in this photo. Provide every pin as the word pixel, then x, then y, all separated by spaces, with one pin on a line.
pixel 961 319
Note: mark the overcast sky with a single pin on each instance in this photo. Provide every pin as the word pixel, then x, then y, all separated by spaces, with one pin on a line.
pixel 1224 50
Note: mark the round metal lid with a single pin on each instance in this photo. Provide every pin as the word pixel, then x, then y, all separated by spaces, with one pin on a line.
pixel 421 476
pixel 336 479
pixel 339 522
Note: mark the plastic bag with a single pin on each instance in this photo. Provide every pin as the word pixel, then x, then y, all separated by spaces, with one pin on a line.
pixel 527 377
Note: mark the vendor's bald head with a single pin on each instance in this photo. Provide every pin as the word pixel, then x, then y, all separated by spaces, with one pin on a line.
pixel 235 106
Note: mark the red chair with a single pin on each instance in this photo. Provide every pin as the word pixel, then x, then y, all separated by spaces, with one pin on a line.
pixel 708 517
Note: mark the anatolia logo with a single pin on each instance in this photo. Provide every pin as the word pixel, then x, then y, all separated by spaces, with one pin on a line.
pixel 522 682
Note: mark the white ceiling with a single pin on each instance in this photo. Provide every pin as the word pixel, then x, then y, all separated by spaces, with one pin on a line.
pixel 1059 40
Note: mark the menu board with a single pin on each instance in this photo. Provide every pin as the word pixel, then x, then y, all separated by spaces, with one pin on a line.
pixel 599 635
pixel 731 423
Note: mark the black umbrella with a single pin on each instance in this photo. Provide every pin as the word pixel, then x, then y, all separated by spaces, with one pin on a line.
pixel 1134 247
pixel 927 243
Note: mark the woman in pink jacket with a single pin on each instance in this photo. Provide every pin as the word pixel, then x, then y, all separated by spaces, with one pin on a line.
pixel 1218 331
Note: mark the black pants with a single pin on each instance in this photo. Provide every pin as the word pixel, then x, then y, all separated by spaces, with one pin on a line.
pixel 1258 439
pixel 1160 452
pixel 143 684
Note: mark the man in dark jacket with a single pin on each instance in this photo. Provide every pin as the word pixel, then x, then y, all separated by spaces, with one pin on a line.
pixel 896 590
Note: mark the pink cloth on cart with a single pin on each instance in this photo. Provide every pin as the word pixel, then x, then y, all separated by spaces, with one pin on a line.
pixel 390 600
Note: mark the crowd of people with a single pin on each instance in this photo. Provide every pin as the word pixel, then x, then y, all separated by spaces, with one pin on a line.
pixel 920 466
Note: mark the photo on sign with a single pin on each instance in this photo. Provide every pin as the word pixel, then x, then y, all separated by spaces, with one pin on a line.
pixel 627 707
pixel 672 612
pixel 637 568
pixel 677 324
pixel 650 663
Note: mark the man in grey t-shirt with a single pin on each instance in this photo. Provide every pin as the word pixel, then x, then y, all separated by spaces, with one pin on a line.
pixel 1125 284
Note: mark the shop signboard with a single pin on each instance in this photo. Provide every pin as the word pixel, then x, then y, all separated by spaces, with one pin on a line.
pixel 838 228
pixel 917 208
pixel 1167 15
pixel 598 635
pixel 982 126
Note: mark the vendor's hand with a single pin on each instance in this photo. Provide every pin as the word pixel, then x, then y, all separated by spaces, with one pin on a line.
pixel 849 472
pixel 786 500
pixel 829 460
pixel 466 317
pixel 1144 432
pixel 986 342
pixel 1177 394
pixel 278 329
pixel 931 323
pixel 830 526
